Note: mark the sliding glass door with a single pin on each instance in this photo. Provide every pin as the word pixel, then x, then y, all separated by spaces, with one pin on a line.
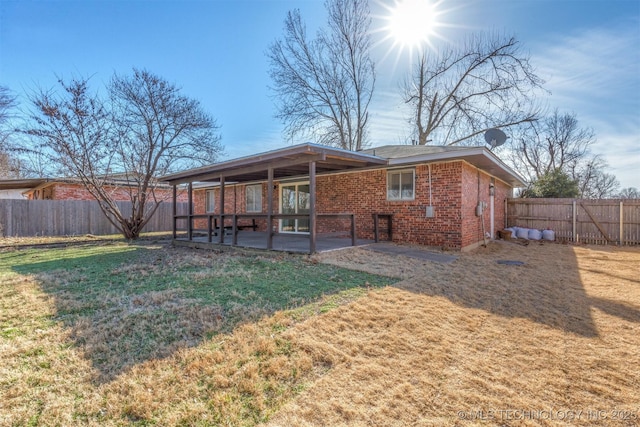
pixel 294 199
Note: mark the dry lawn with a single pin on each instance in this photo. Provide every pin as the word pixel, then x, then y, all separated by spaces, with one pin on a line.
pixel 468 343
pixel 553 342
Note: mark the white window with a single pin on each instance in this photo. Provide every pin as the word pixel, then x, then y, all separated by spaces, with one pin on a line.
pixel 210 201
pixel 400 185
pixel 253 196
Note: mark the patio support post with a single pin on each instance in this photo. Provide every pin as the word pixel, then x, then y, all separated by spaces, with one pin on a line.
pixel 190 212
pixel 234 228
pixel 312 207
pixel 269 208
pixel 174 210
pixel 222 209
pixel 353 229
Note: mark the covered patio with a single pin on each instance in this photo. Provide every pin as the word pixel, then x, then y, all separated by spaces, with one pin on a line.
pixel 296 243
pixel 303 161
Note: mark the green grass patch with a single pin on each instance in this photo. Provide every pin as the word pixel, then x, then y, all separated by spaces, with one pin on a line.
pixel 154 323
pixel 127 303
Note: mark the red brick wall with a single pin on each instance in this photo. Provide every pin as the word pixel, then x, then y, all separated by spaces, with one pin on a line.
pixel 78 192
pixel 473 194
pixel 475 189
pixel 454 195
pixel 365 193
pixel 68 191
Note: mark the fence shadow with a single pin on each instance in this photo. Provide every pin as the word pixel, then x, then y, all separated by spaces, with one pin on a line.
pixel 132 304
pixel 548 288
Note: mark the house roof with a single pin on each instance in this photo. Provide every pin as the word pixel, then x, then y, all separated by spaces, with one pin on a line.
pixel 21 184
pixel 479 156
pixel 293 161
pixel 404 151
pixel 286 162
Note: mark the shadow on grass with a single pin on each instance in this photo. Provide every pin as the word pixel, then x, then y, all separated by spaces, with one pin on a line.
pixel 547 291
pixel 126 304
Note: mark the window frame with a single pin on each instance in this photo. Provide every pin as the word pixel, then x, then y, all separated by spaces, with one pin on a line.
pixel 209 199
pixel 253 205
pixel 400 172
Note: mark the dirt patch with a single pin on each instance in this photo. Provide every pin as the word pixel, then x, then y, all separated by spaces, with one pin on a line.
pixel 550 342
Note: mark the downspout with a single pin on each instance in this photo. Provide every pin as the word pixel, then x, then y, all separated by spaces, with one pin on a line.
pixel 429 212
pixel 492 191
pixel 480 212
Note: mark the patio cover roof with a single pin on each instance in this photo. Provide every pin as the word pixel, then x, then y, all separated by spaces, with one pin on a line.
pixel 285 162
pixel 294 162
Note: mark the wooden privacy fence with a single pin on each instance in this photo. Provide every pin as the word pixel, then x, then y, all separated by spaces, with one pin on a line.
pixel 26 218
pixel 604 221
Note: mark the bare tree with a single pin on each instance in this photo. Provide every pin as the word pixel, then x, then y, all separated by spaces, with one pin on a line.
pixel 459 93
pixel 9 165
pixel 148 129
pixel 629 193
pixel 556 142
pixel 593 181
pixel 324 86
pixel 559 143
pixel 7 102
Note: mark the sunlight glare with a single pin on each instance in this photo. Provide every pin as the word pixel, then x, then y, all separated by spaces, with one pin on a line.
pixel 412 22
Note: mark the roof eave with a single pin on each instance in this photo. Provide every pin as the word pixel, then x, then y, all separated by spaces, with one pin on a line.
pixel 505 173
pixel 269 156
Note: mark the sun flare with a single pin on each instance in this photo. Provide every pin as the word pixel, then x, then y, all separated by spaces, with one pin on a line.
pixel 411 23
pixel 410 26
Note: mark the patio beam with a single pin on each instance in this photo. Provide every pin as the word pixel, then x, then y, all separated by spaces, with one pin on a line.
pixel 262 167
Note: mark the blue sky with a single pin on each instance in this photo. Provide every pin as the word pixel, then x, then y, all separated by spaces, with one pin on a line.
pixel 588 51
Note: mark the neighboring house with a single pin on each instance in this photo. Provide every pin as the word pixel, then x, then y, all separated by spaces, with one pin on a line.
pixel 431 193
pixel 72 189
pixel 16 188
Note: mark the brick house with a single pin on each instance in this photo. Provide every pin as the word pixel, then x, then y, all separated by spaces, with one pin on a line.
pixel 72 189
pixel 16 188
pixel 452 197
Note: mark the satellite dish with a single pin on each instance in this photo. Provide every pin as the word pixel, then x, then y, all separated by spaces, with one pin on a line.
pixel 495 137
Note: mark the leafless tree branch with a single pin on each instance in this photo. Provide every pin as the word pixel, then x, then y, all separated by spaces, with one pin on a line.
pixel 462 92
pixel 147 129
pixel 324 86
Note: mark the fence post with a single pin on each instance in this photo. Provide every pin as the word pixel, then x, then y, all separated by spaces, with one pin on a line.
pixel 573 226
pixel 621 239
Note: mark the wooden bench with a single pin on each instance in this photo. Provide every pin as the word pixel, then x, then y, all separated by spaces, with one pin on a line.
pixel 228 228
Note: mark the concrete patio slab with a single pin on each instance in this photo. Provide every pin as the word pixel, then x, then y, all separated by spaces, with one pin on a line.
pixel 298 243
pixel 411 251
